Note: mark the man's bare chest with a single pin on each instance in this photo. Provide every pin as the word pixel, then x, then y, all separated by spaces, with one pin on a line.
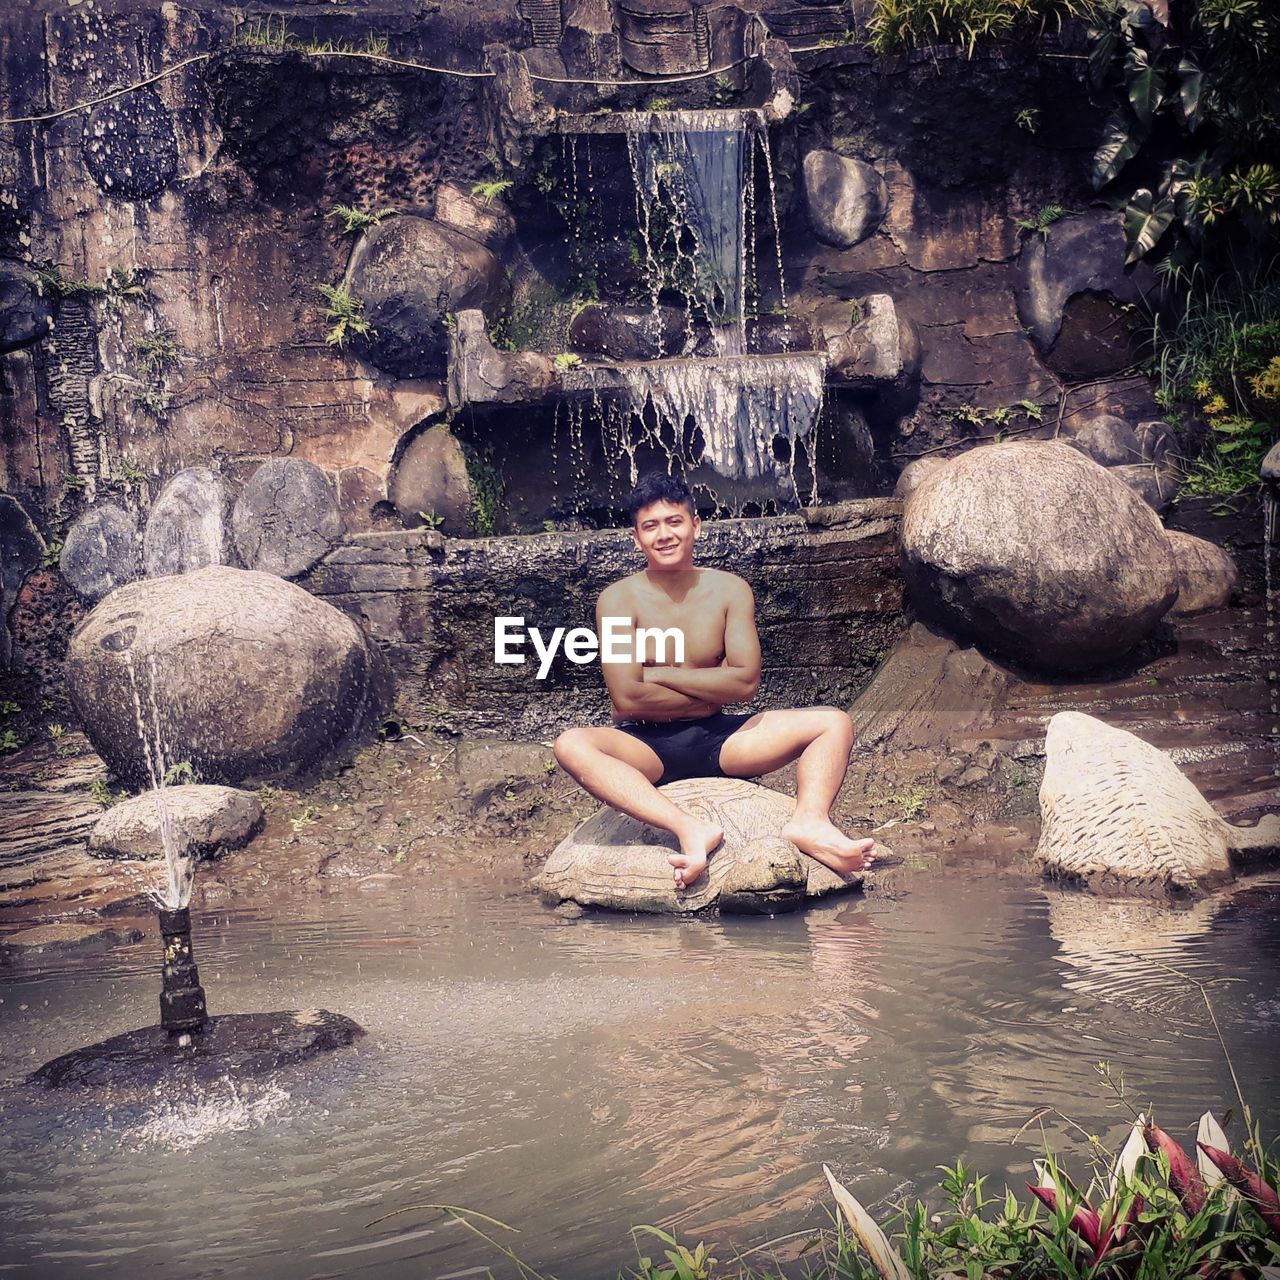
pixel 701 619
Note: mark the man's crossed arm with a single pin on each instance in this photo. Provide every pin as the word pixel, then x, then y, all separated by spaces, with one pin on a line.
pixel 737 677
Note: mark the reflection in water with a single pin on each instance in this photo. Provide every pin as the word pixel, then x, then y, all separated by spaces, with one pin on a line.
pixel 576 1079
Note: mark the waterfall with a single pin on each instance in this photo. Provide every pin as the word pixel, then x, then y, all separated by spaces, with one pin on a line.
pixel 693 173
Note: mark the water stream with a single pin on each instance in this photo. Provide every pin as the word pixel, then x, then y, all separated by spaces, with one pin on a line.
pixel 577 1078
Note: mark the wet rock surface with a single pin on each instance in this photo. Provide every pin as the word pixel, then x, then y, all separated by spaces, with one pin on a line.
pixel 1108 440
pixel 1070 581
pixel 1207 575
pixel 846 199
pixel 238 1046
pixel 102 551
pixel 248 673
pixel 21 551
pixel 431 485
pixel 201 819
pixel 24 314
pixel 1116 812
pixel 186 524
pixel 30 944
pixel 617 862
pixel 286 518
pixel 130 146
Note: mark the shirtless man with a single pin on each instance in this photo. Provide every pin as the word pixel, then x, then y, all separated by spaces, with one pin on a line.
pixel 668 722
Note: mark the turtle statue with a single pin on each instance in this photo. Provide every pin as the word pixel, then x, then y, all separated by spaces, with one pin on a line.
pixel 1117 811
pixel 620 863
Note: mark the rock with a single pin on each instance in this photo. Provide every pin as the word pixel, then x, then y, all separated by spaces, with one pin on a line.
pixel 22 550
pixel 1040 553
pixel 1270 470
pixel 615 861
pixel 1207 575
pixel 64 937
pixel 185 528
pixel 916 472
pixel 130 147
pixel 488 222
pixel 24 314
pixel 660 37
pixel 1117 811
pixel 101 551
pixel 878 350
pixel 1156 486
pixel 1083 252
pixel 481 374
pixel 411 273
pixel 203 821
pixel 1096 338
pixel 1158 442
pixel 846 199
pixel 430 483
pixel 286 518
pixel 249 674
pixel 628 333
pixel 1108 440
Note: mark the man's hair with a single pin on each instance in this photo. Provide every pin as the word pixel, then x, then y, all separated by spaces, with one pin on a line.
pixel 659 487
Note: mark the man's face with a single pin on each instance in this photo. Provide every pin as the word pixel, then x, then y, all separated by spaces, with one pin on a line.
pixel 665 532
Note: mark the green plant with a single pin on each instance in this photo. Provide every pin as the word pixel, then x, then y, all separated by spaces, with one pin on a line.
pixel 157 351
pixel 486 491
pixel 9 741
pixel 268 795
pixel 9 708
pixel 682 1264
pixel 430 519
pixel 58 286
pixel 345 313
pixel 909 801
pixel 100 793
pixel 72 483
pixel 182 774
pixel 53 554
pixel 661 104
pixel 723 91
pixel 1196 116
pixel 271 31
pixel 897 25
pixel 567 360
pixel 155 400
pixel 1043 220
pixel 491 191
pixel 354 219
pixel 1028 118
pixel 124 284
pixel 130 475
pixel 310 814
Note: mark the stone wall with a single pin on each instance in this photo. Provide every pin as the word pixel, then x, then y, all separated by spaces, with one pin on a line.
pixel 828 597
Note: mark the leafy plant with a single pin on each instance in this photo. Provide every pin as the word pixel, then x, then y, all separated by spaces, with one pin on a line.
pixel 430 519
pixel 56 285
pixel 682 1264
pixel 354 220
pixel 1196 106
pixel 345 312
pixel 567 360
pixel 310 814
pixel 53 554
pixel 130 475
pixel 661 104
pixel 271 31
pixel 1043 220
pixel 9 741
pixel 157 351
pixel 897 25
pixel 100 793
pixel 486 491
pixel 182 774
pixel 9 708
pixel 1028 118
pixel 491 191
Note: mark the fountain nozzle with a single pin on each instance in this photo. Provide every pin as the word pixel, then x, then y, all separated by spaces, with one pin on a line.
pixel 182 1002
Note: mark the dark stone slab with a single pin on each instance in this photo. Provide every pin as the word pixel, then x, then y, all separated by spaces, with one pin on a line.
pixel 238 1046
pixel 130 146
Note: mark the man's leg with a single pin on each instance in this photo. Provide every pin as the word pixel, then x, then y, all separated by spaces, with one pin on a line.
pixel 822 738
pixel 621 770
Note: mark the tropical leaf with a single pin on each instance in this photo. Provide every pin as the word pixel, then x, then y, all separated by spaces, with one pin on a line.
pixel 1126 1164
pixel 1120 143
pixel 1190 88
pixel 1146 219
pixel 1103 42
pixel 869 1236
pixel 1145 84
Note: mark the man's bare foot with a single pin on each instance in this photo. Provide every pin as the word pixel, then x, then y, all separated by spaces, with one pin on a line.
pixel 696 845
pixel 821 839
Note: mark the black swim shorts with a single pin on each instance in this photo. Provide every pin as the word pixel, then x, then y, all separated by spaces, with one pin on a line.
pixel 687 748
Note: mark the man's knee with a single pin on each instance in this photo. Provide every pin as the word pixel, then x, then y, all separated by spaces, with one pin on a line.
pixel 571 748
pixel 835 721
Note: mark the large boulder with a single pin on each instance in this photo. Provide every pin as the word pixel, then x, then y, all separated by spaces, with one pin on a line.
pixel 1271 466
pixel 101 551
pixel 24 313
pixel 22 550
pixel 916 472
pixel 1106 439
pixel 1207 575
pixel 202 821
pixel 1038 552
pixel 1117 812
pixel 246 674
pixel 286 519
pixel 620 863
pixel 412 273
pixel 186 525
pixel 846 199
pixel 431 485
pixel 879 348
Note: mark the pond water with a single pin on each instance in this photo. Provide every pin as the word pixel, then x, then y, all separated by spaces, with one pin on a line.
pixel 577 1078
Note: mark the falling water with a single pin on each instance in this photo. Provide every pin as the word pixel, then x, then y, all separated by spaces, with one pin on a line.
pixel 695 199
pixel 1270 503
pixel 179 867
